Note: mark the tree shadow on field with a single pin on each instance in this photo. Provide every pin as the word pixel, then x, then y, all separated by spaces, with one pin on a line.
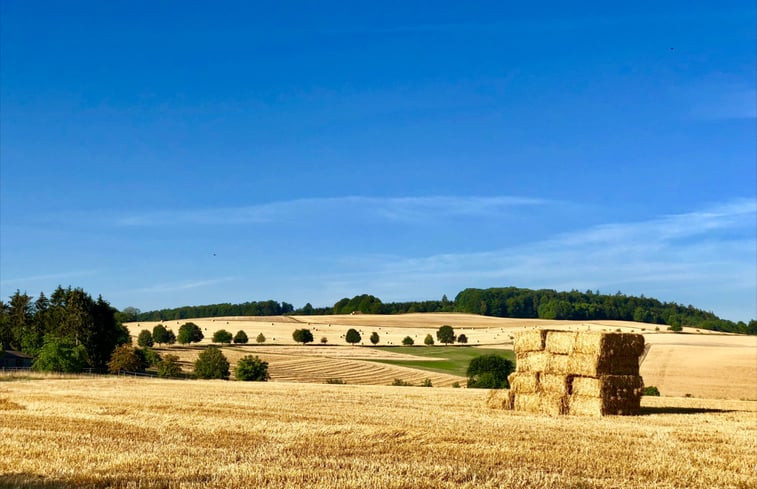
pixel 34 481
pixel 680 410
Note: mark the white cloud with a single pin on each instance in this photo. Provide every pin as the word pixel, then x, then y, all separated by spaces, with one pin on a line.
pixel 387 208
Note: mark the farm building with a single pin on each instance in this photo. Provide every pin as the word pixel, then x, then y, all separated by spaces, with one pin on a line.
pixel 15 359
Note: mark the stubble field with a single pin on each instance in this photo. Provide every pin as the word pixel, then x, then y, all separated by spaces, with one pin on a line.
pixel 121 432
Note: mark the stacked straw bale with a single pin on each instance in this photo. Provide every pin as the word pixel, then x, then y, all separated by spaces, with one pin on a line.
pixel 584 373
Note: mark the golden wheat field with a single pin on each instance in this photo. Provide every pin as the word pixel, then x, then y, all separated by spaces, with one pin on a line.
pixel 699 363
pixel 123 432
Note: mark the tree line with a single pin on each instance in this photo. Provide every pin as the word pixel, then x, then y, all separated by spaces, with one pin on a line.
pixel 511 302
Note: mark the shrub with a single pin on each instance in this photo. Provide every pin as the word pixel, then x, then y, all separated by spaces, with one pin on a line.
pixel 324 340
pixel 190 333
pixel 401 382
pixel 251 368
pixel 651 390
pixel 169 367
pixel 462 339
pixel 374 338
pixel 456 385
pixel 352 336
pixel 221 336
pixel 160 334
pixel 57 355
pixel 446 334
pixel 125 357
pixel 426 382
pixel 150 356
pixel 260 338
pixel 408 341
pixel 428 340
pixel 145 339
pixel 335 381
pixel 302 336
pixel 241 337
pixel 211 364
pixel 676 328
pixel 489 372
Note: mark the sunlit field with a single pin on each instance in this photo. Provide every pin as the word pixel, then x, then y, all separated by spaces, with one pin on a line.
pixel 122 432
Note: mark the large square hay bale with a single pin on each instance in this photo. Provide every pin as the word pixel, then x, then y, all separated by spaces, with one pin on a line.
pixel 543 403
pixel 531 340
pixel 560 342
pixel 500 399
pixel 558 364
pixel 531 361
pixel 609 344
pixel 597 406
pixel 590 365
pixel 608 386
pixel 524 382
pixel 556 384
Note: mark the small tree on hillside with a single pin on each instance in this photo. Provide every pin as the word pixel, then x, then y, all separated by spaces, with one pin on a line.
pixel 251 368
pixel 149 357
pixel 302 336
pixel 221 336
pixel 428 340
pixel 160 334
pixel 408 341
pixel 374 338
pixel 125 357
pixel 241 337
pixel 171 337
pixel 462 339
pixel 260 338
pixel 189 333
pixel 352 337
pixel 145 339
pixel 211 364
pixel 446 334
pixel 169 367
pixel 489 372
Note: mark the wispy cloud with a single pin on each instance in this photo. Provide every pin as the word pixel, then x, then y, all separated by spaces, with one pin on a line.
pixel 389 208
pixel 704 255
pixel 185 285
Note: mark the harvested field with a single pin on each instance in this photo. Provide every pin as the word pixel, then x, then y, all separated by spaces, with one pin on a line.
pixel 116 432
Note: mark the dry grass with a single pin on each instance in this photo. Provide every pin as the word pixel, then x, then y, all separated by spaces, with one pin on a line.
pixel 115 432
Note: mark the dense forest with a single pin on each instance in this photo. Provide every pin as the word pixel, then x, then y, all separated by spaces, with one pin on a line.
pixel 501 302
pixel 70 326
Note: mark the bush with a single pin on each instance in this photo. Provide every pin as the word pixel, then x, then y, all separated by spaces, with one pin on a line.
pixel 169 367
pixel 171 339
pixel 462 339
pixel 456 385
pixel 676 328
pixel 335 381
pixel 221 336
pixel 150 356
pixel 489 372
pixel 190 333
pixel 374 338
pixel 408 341
pixel 241 337
pixel 57 355
pixel 401 382
pixel 125 357
pixel 302 336
pixel 324 340
pixel 352 336
pixel 446 334
pixel 251 368
pixel 145 339
pixel 428 340
pixel 211 364
pixel 426 382
pixel 651 391
pixel 159 334
pixel 260 338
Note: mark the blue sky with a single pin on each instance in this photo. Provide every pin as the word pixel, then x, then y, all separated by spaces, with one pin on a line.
pixel 181 153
